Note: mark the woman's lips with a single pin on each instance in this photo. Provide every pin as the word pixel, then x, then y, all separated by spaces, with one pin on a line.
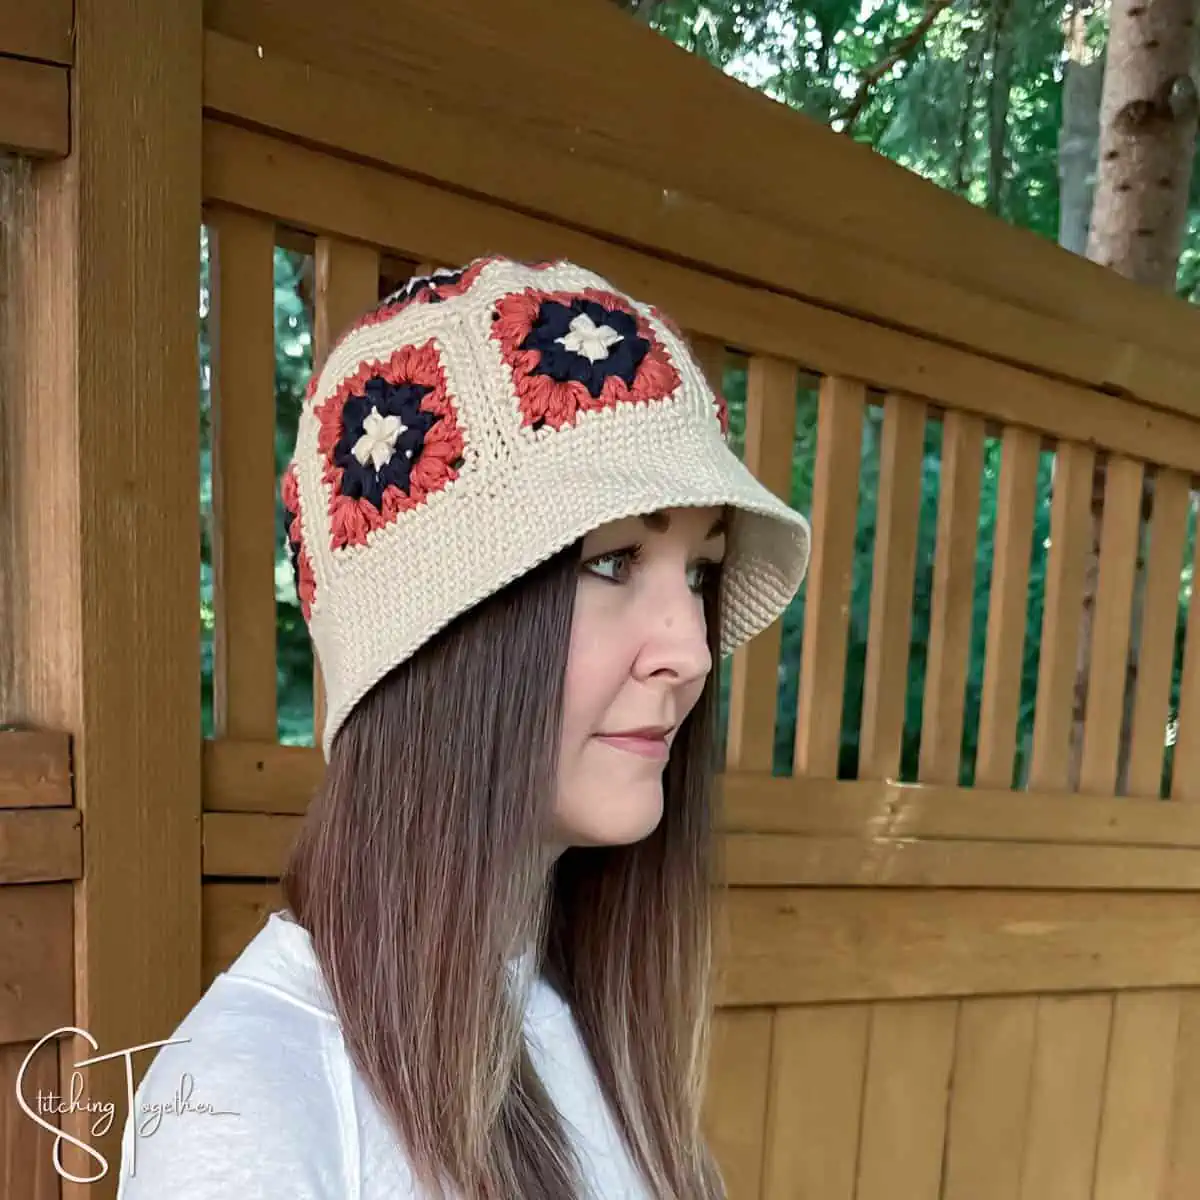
pixel 646 747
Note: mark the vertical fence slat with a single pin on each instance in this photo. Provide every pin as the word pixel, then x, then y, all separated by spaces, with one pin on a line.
pixel 1015 503
pixel 1156 650
pixel 1110 627
pixel 1070 537
pixel 909 1060
pixel 897 518
pixel 347 286
pixel 818 1063
pixel 1135 1125
pixel 243 475
pixel 1185 772
pixel 1065 1092
pixel 827 606
pixel 770 433
pixel 951 602
pixel 989 1104
pixel 712 356
pixel 735 1097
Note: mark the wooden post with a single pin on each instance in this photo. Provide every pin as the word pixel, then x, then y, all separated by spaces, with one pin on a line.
pixel 102 533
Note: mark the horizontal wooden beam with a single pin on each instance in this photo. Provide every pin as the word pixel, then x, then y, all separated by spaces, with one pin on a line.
pixel 783 860
pixel 232 913
pixel 264 777
pixel 256 845
pixel 37 960
pixel 247 845
pixel 346 116
pixel 41 845
pixel 329 195
pixel 39 29
pixel 35 109
pixel 761 158
pixel 259 777
pixel 35 769
pixel 799 946
pixel 760 803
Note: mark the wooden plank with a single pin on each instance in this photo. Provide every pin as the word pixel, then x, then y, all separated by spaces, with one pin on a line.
pixel 108 620
pixel 818 1065
pixel 26 1160
pixel 989 1108
pixel 1070 542
pixel 842 403
pixel 35 108
pixel 712 356
pixel 43 31
pixel 325 194
pixel 261 777
pixel 248 844
pixel 233 914
pixel 1110 626
pixel 1066 1090
pixel 1001 700
pixel 37 972
pixel 867 809
pixel 754 683
pixel 347 286
pixel 786 860
pixel 735 1099
pixel 905 1100
pixel 1185 770
pixel 898 510
pixel 951 602
pixel 1183 1155
pixel 1055 311
pixel 1135 1123
pixel 1159 618
pixel 35 769
pixel 806 945
pixel 40 846
pixel 245 533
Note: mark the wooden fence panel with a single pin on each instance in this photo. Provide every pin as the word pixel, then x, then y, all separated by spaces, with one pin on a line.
pixel 770 435
pixel 1070 540
pixel 827 608
pixel 953 590
pixel 1105 706
pixel 1006 608
pixel 885 685
pixel 245 535
pixel 1159 616
pixel 348 285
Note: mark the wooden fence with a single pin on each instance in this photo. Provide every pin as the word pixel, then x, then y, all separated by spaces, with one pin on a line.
pixel 926 990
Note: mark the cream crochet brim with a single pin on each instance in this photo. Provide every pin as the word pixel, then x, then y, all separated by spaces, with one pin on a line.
pixel 523 496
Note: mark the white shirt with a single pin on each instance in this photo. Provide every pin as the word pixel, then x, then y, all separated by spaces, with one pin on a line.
pixel 288 1114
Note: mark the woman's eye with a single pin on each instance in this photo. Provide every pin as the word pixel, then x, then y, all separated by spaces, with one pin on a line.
pixel 610 566
pixel 699 574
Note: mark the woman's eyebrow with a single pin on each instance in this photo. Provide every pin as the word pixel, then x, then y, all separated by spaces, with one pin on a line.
pixel 660 522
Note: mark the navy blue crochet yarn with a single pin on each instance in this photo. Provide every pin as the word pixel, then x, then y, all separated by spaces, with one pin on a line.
pixel 554 321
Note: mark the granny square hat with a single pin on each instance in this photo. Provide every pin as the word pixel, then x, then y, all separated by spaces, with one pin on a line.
pixel 481 420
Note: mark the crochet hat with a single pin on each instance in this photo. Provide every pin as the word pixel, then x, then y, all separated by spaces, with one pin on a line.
pixel 479 421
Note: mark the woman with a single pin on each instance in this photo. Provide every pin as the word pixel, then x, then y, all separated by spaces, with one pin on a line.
pixel 520 543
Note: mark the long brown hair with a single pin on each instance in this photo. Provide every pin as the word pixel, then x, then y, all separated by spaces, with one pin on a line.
pixel 421 875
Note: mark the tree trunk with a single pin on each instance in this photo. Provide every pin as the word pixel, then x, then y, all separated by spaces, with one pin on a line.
pixel 1149 113
pixel 999 99
pixel 1079 134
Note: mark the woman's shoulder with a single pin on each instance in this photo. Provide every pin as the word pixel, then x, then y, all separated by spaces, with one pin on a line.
pixel 246 1097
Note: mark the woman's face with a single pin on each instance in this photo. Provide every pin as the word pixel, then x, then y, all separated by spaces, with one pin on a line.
pixel 638 661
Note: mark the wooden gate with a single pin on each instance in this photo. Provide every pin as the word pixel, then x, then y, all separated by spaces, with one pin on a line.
pixel 928 990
